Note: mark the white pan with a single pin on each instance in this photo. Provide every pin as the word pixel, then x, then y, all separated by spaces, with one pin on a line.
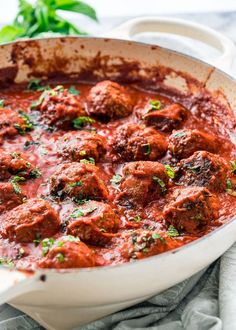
pixel 62 300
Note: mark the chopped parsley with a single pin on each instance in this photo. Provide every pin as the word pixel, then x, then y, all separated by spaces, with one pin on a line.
pixel 2 103
pixel 155 104
pixel 172 231
pixel 82 153
pixel 179 134
pixel 14 181
pixel 73 90
pixel 137 218
pixel 116 179
pixel 147 149
pixel 88 161
pixel 36 173
pixel 76 184
pixel 70 238
pixel 170 171
pixel 60 257
pixel 47 243
pixel 6 262
pixel 82 212
pixel 233 166
pixel 160 182
pixel 229 188
pixel 35 85
pixel 27 126
pixel 48 92
pixel 80 122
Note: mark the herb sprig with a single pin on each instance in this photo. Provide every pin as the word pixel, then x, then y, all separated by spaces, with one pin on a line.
pixel 41 19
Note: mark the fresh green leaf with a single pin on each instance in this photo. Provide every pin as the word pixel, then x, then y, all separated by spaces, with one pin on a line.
pixel 7 262
pixel 70 238
pixel 170 171
pixel 76 6
pixel 2 103
pixel 172 231
pixel 73 90
pixel 35 85
pixel 147 149
pixel 137 218
pixel 179 134
pixel 11 32
pixel 80 122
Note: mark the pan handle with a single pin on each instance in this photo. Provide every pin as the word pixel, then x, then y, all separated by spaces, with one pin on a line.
pixel 180 27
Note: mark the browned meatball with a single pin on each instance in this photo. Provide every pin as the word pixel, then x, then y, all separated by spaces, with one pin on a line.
pixel 15 163
pixel 167 118
pixel 191 209
pixel 58 107
pixel 142 182
pixel 68 254
pixel 74 146
pixel 94 222
pixel 9 198
pixel 138 244
pixel 135 142
pixel 205 170
pixel 79 181
pixel 33 219
pixel 185 142
pixel 108 100
pixel 11 123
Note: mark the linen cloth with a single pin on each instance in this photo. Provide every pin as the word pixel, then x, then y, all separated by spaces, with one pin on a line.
pixel 206 301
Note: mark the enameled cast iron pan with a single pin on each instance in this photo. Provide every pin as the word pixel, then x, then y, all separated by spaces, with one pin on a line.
pixel 61 300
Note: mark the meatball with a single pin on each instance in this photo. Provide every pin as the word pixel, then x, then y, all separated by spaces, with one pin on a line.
pixel 94 222
pixel 184 143
pixel 74 146
pixel 205 170
pixel 135 142
pixel 29 221
pixel 15 163
pixel 58 107
pixel 138 244
pixel 142 182
pixel 108 100
pixel 68 254
pixel 11 124
pixel 8 197
pixel 167 118
pixel 191 209
pixel 78 181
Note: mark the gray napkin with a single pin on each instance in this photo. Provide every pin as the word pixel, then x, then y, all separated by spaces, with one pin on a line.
pixel 206 301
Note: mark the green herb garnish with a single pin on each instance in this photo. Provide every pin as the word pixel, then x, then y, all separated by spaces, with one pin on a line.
pixel 137 218
pixel 47 243
pixel 76 184
pixel 160 182
pixel 229 188
pixel 6 262
pixel 35 85
pixel 73 90
pixel 41 19
pixel 82 212
pixel 60 257
pixel 27 126
pixel 88 161
pixel 14 181
pixel 179 134
pixel 148 149
pixel 172 231
pixel 233 166
pixel 116 179
pixel 170 171
pixel 80 122
pixel 155 104
pixel 70 238
pixel 2 103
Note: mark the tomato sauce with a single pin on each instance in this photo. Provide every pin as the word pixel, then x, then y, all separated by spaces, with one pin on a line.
pixel 150 220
